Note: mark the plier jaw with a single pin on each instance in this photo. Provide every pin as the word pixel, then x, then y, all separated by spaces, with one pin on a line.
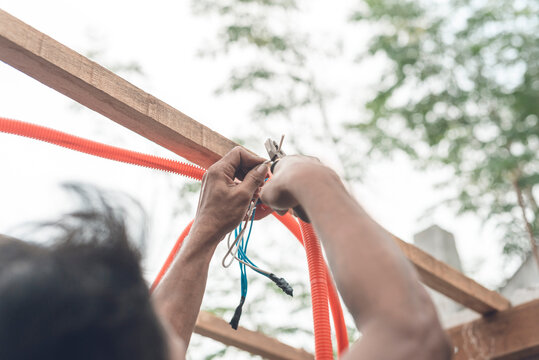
pixel 275 152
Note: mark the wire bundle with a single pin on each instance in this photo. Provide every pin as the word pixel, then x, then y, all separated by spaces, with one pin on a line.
pixel 238 251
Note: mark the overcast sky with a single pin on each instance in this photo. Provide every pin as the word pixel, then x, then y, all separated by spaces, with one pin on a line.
pixel 164 37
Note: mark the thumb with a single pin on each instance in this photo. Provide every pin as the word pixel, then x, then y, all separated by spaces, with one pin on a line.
pixel 254 178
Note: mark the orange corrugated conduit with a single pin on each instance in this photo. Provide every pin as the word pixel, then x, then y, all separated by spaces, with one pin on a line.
pixel 322 285
pixel 72 142
pixel 171 256
pixel 341 333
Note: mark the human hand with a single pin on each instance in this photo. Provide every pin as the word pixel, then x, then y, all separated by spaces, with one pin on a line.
pixel 290 176
pixel 227 188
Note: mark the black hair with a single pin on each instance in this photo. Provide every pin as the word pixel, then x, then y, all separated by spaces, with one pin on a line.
pixel 82 296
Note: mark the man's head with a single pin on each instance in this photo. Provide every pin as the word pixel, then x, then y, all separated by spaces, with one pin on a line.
pixel 82 297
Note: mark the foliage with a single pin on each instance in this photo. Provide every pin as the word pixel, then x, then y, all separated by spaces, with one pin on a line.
pixel 461 89
pixel 273 62
pixel 270 63
pixel 458 89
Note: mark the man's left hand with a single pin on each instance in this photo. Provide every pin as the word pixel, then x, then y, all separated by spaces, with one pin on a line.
pixel 227 188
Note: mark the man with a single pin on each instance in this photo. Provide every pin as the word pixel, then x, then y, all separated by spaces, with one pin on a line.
pixel 106 314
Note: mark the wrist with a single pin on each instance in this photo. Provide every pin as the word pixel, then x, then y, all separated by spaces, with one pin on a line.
pixel 311 180
pixel 318 189
pixel 203 237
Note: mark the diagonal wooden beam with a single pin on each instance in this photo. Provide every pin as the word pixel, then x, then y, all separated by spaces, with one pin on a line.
pixel 254 342
pixel 81 79
pixel 508 334
pixel 452 283
pixel 97 88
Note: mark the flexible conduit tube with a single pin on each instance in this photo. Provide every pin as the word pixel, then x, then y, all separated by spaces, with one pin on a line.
pixel 341 333
pixel 56 137
pixel 131 157
pixel 171 256
pixel 319 293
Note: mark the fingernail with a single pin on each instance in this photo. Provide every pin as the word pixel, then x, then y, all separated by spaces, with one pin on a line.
pixel 262 169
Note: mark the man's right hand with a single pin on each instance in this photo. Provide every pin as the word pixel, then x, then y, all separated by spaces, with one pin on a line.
pixel 295 176
pixel 374 279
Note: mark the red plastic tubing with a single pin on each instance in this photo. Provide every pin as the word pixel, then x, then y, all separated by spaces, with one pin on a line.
pixel 171 256
pixel 322 285
pixel 98 149
pixel 341 333
pixel 319 292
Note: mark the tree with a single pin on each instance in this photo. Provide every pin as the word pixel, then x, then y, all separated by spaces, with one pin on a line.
pixel 271 69
pixel 460 89
pixel 273 63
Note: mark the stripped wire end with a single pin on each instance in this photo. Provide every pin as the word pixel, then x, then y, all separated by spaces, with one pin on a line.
pixel 282 284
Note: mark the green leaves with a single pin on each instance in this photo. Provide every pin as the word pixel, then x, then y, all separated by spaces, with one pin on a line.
pixel 469 73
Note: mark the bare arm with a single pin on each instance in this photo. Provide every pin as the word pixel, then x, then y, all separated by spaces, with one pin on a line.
pixel 380 288
pixel 223 204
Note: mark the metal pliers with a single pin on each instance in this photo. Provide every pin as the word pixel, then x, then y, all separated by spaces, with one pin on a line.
pixel 275 151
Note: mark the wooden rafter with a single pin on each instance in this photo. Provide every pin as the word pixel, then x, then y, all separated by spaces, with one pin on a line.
pixel 452 283
pixel 254 342
pixel 97 88
pixel 81 79
pixel 508 334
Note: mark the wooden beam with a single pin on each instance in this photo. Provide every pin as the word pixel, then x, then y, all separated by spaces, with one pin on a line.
pixel 509 334
pixel 254 342
pixel 97 88
pixel 452 283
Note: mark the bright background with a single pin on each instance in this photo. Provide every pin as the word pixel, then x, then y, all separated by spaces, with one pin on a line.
pixel 164 38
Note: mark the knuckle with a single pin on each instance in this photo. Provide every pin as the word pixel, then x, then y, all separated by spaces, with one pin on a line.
pixel 236 149
pixel 268 195
pixel 212 171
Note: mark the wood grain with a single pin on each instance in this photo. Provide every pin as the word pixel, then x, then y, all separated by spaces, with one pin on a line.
pixel 509 334
pixel 452 283
pixel 97 88
pixel 254 342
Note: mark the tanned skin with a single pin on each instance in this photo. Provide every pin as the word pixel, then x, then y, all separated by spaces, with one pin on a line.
pixel 379 287
pixel 223 204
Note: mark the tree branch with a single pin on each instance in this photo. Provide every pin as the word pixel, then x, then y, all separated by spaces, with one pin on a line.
pixel 529 230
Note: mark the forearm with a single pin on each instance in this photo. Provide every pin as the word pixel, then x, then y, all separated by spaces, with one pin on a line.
pixel 179 296
pixel 377 284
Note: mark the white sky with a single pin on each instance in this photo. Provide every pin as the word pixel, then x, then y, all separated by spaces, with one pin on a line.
pixel 163 36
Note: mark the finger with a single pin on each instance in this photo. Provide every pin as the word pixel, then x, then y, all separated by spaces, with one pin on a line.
pixel 262 211
pixel 256 195
pixel 254 179
pixel 275 197
pixel 238 162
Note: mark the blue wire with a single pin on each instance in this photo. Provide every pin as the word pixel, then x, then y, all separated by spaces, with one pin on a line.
pixel 250 229
pixel 242 254
pixel 243 274
pixel 243 250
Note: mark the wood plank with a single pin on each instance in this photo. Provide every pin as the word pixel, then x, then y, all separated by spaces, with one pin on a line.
pixel 254 342
pixel 61 68
pixel 452 283
pixel 83 80
pixel 509 334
